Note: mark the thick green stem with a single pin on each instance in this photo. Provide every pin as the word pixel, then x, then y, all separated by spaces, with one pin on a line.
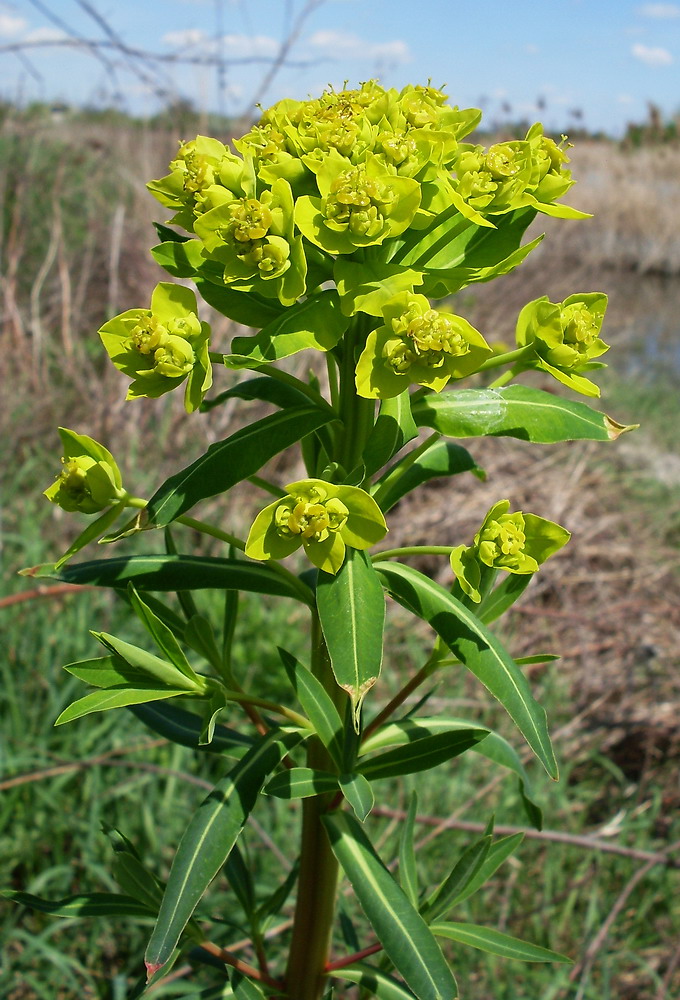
pixel 315 905
pixel 357 414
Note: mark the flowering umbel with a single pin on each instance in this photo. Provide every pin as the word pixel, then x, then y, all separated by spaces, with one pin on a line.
pixel 516 543
pixel 321 517
pixel 417 344
pixel 163 346
pixel 89 480
pixel 566 337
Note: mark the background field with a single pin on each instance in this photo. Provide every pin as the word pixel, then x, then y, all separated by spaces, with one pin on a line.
pixel 76 254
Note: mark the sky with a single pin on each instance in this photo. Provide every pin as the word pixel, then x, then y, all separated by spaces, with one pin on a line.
pixel 595 63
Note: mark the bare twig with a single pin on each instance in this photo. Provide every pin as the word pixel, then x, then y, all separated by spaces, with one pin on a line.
pixel 229 958
pixel 573 839
pixel 56 590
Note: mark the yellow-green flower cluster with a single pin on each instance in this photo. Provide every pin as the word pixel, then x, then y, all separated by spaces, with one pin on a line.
pixel 89 480
pixel 517 543
pixel 417 344
pixel 322 518
pixel 343 172
pixel 565 337
pixel 161 347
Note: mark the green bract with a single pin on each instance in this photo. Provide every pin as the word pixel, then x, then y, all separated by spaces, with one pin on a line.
pixel 161 347
pixel 195 182
pixel 566 337
pixel 89 480
pixel 323 518
pixel 253 239
pixel 516 543
pixel 417 344
pixel 359 206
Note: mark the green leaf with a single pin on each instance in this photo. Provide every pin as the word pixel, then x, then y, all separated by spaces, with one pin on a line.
pixel 408 870
pixel 131 875
pixel 173 573
pixel 403 933
pixel 421 755
pixel 87 904
pixel 104 701
pixel 264 389
pixel 502 597
pixel 499 852
pixel 199 635
pixel 274 903
pixel 496 943
pixel 182 727
pixel 359 794
pixel 180 258
pixel 315 323
pixel 453 241
pixel 394 428
pixel 351 608
pixel 105 671
pixel 241 881
pixel 301 783
pixel 244 989
pixel 518 411
pixel 478 649
pixel 95 529
pixel 227 462
pixel 208 839
pixel 442 458
pixel 153 666
pixel 316 704
pixel 246 308
pixel 494 747
pixel 462 874
pixel 161 634
pixel 375 982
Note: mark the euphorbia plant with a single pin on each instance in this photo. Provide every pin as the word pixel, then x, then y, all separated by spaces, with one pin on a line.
pixel 341 226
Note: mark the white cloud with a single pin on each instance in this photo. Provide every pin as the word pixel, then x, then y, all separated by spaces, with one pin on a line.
pixel 10 25
pixel 342 45
pixel 233 46
pixel 45 34
pixel 652 56
pixel 662 11
pixel 624 99
pixel 185 38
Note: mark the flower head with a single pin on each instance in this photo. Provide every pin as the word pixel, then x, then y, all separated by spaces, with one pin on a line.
pixel 566 337
pixel 417 344
pixel 517 543
pixel 161 347
pixel 323 518
pixel 89 479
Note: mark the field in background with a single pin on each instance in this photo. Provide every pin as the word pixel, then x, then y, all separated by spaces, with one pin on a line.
pixel 76 230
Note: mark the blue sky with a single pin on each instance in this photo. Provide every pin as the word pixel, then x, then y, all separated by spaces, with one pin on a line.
pixel 604 59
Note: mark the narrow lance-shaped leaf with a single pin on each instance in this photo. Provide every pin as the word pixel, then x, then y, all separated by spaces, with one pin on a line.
pixel 172 573
pixel 493 746
pixel 352 612
pixel 478 649
pixel 208 839
pixel 301 783
pixel 518 411
pixel 182 727
pixel 88 904
pixel 316 704
pixel 421 755
pixel 465 869
pixel 160 633
pixel 408 872
pixel 316 323
pixel 227 462
pixel 403 933
pixel 358 792
pixel 393 429
pixel 496 943
pixel 375 982
pixel 105 701
pixel 442 458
